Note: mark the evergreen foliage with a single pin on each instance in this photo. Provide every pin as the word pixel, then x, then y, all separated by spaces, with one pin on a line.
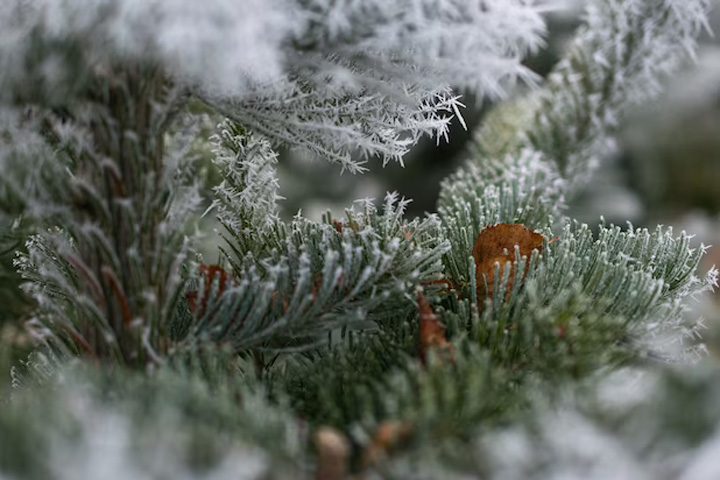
pixel 316 349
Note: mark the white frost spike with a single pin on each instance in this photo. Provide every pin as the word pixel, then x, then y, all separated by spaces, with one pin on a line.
pixel 247 198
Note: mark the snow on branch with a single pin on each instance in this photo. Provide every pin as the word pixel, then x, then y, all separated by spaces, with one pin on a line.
pixel 618 59
pixel 247 197
pixel 476 45
pixel 335 128
pixel 547 145
pixel 218 45
pixel 534 153
pixel 316 277
pixel 332 77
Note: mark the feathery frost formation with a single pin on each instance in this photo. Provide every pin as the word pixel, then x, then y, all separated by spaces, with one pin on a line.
pixel 333 77
pixel 617 59
pixel 533 154
pixel 350 347
pixel 623 52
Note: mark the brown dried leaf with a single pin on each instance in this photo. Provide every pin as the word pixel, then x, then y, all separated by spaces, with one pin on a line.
pixel 496 244
pixel 389 436
pixel 432 332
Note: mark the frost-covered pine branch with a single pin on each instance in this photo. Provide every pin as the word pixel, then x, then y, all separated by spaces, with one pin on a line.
pixel 618 59
pixel 543 148
pixel 246 199
pixel 106 82
pixel 534 153
pixel 333 77
pixel 104 267
pixel 88 423
pixel 380 70
pixel 290 283
pixel 377 331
